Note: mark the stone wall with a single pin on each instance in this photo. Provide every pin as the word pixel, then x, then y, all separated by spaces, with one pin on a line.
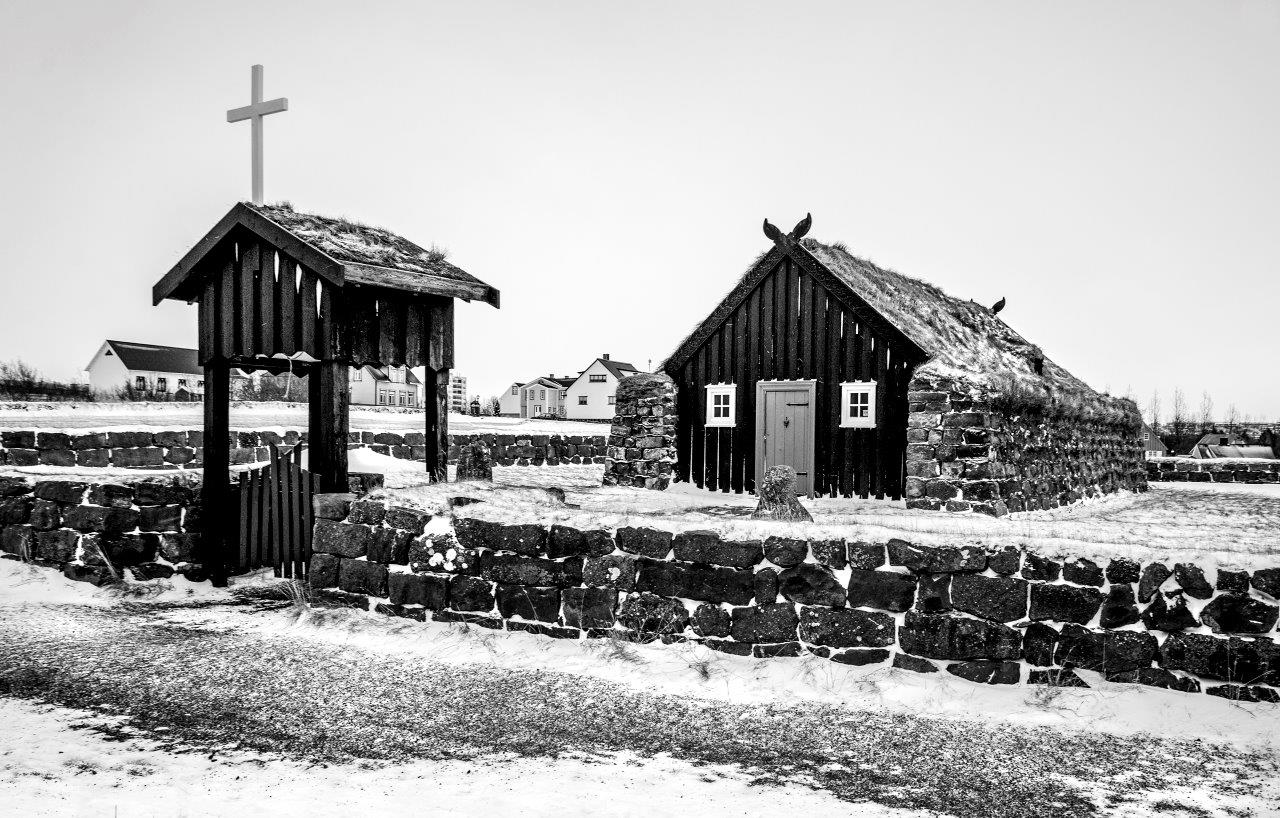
pixel 991 616
pixel 147 526
pixel 970 448
pixel 535 450
pixel 1195 470
pixel 642 439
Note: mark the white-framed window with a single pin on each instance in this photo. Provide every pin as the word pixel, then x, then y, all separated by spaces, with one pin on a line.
pixel 582 400
pixel 613 399
pixel 401 397
pixel 162 384
pixel 858 405
pixel 199 384
pixel 542 394
pixel 357 374
pixel 140 382
pixel 515 389
pixel 596 379
pixel 182 382
pixel 721 404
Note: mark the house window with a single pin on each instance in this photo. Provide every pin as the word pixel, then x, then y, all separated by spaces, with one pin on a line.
pixel 582 400
pixel 721 410
pixel 199 384
pixel 612 400
pixel 596 378
pixel 140 382
pixel 515 390
pixel 401 398
pixel 859 401
pixel 357 374
pixel 413 400
pixel 542 394
pixel 182 382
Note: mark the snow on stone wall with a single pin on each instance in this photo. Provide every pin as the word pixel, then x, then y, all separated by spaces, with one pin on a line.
pixel 1196 470
pixel 998 616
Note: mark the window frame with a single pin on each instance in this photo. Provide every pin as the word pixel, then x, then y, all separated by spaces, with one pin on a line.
pixel 597 378
pixel 730 420
pixel 582 400
pixel 847 389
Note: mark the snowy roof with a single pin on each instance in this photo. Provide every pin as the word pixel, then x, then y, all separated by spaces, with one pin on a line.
pixel 156 358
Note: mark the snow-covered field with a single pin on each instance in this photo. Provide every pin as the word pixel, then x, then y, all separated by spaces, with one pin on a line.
pixel 261 416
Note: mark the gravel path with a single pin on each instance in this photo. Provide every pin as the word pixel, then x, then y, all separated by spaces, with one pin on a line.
pixel 223 686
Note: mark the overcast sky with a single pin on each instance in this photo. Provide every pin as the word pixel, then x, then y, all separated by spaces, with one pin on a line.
pixel 1113 169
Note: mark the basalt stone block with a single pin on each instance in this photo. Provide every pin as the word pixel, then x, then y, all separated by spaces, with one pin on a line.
pixel 589 607
pixel 1056 677
pixel 18 540
pixel 1155 677
pixel 845 627
pixel 1082 571
pixel 725 646
pixel 131 549
pixel 778 651
pixel 991 673
pixel 13 487
pixel 1161 616
pixel 861 656
pixel 528 539
pixel 702 582
pixel 18 439
pixel 1248 661
pixel 1005 561
pixel 707 547
pixel 53 440
pixel 1040 568
pixel 390 546
pixel 468 593
pixel 528 602
pixel 97 518
pixel 367 512
pixel 407 519
pixel 866 556
pixel 1119 608
pixel 474 534
pixel 933 594
pixel 361 577
pixel 1123 570
pixel 160 518
pixel 1267 581
pixel 1230 613
pixel 57 457
pixel 830 553
pixel 765 623
pixel 404 612
pixel 342 539
pixel 93 458
pixel 439 553
pixel 56 546
pixel 811 584
pixel 1064 603
pixel 428 590
pixel 1153 576
pixel 785 552
pixel 647 542
pixel 613 571
pixel 93 574
pixel 153 493
pixel 1107 652
pixel 566 541
pixel 332 506
pixel 913 663
pixel 146 571
pixel 513 569
pixel 45 515
pixel 936 559
pixel 137 458
pixel 1000 599
pixel 766 586
pixel 67 492
pixel 173 438
pixel 1191 580
pixel 112 496
pixel 1235 582
pixel 479 620
pixel 179 548
pixel 1245 693
pixel 90 440
pixel 323 572
pixel 940 636
pixel 710 620
pixel 15 510
pixel 647 613
pixel 886 590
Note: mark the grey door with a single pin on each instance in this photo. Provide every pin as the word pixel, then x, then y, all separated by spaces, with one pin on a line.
pixel 785 429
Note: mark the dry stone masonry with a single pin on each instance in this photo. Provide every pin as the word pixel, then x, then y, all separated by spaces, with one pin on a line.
pixel 1195 470
pixel 988 615
pixel 642 440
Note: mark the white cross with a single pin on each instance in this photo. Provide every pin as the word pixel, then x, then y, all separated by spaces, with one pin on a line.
pixel 254 112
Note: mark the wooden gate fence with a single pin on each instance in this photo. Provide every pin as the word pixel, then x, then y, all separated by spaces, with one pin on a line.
pixel 275 515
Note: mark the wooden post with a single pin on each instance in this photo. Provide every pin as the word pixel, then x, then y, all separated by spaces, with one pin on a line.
pixel 437 415
pixel 218 522
pixel 328 422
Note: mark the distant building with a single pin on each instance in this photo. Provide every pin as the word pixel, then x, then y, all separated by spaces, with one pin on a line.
pixel 591 395
pixel 458 393
pixel 543 397
pixel 146 369
pixel 384 386
pixel 509 401
pixel 1152 443
pixel 1224 444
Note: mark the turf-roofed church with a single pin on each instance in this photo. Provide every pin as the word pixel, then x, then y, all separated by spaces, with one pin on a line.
pixel 873 384
pixel 281 290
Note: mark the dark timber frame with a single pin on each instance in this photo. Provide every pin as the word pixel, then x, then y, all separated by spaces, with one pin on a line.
pixel 269 300
pixel 790 318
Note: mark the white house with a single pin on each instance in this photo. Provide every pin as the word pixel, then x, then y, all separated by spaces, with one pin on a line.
pixel 510 400
pixel 541 397
pixel 590 396
pixel 146 368
pixel 384 386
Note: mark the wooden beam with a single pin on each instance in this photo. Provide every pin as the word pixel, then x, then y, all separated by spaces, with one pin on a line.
pixel 328 423
pixel 437 423
pixel 217 518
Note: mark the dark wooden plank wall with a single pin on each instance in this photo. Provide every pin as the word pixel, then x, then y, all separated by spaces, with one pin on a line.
pixel 791 328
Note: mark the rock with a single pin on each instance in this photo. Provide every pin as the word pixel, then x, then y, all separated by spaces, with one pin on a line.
pixel 528 602
pixel 157 493
pixel 45 515
pixel 613 571
pixel 1000 599
pixel 1159 616
pixel 845 627
pixel 766 586
pixel 1057 677
pixel 1082 572
pixel 830 553
pixel 1155 677
pixel 1037 567
pixel 1005 561
pixel 940 636
pixel 13 486
pixel 865 556
pixel 407 519
pixel 362 577
pixel 589 607
pixel 991 673
pixel 18 540
pixel 468 593
pixel 1191 579
pixel 1245 693
pixel 1267 581
pixel 146 571
pixel 1119 608
pixel 15 510
pixel 57 546
pixel 390 546
pixel 710 620
pixel 784 649
pixel 650 614
pixel 856 656
pixel 67 492
pixel 914 664
pixel 731 648
pixel 93 574
pixel 1107 652
pixel 765 623
pixel 702 582
pixel 179 548
pixel 428 590
pixel 647 542
pixel 514 569
pixel 707 547
pixel 343 539
pixel 1153 576
pixel 933 594
pixel 1252 661
pixel 1236 613
pixel 324 571
pixel 811 584
pixel 475 462
pixel 97 518
pixel 565 541
pixel 367 512
pixel 474 534
pixel 928 559
pixel 1038 642
pixel 777 493
pixel 885 590
pixel 785 552
pixel 1123 570
pixel 1064 603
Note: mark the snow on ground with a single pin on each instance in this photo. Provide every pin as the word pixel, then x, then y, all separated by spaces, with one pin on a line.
pixel 252 416
pixel 56 762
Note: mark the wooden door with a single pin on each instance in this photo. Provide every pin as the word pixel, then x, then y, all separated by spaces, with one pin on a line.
pixel 785 419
